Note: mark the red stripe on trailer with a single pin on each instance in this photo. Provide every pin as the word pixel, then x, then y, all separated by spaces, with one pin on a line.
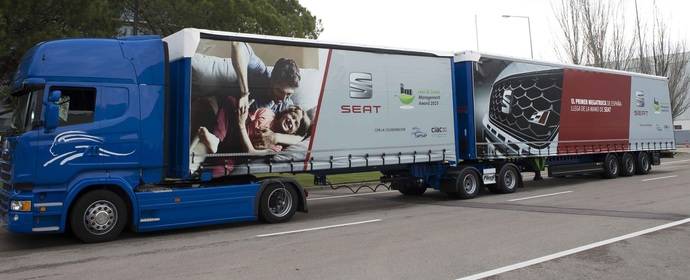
pixel 595 112
pixel 318 109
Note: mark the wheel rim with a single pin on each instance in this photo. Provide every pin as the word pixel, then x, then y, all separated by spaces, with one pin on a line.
pixel 613 166
pixel 630 165
pixel 645 163
pixel 509 179
pixel 469 184
pixel 100 217
pixel 280 202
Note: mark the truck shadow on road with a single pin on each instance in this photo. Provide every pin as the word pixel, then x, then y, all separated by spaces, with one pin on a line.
pixel 18 242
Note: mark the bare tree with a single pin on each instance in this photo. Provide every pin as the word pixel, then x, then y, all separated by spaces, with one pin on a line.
pixel 679 81
pixel 664 57
pixel 621 45
pixel 568 16
pixel 593 33
pixel 595 23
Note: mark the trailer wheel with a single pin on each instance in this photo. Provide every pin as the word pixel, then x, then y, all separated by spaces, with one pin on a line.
pixel 611 166
pixel 98 216
pixel 467 184
pixel 278 203
pixel 508 179
pixel 408 186
pixel 643 164
pixel 628 165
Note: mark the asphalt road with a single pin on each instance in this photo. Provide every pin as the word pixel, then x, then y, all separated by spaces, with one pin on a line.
pixel 388 236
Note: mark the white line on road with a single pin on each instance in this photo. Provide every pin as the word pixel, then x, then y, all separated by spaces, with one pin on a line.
pixel 571 251
pixel 675 161
pixel 659 178
pixel 348 195
pixel 318 228
pixel 538 196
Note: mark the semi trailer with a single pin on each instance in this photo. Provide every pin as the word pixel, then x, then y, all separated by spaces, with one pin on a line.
pixel 158 133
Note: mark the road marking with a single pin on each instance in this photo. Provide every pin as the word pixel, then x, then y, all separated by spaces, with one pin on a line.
pixel 659 178
pixel 348 195
pixel 675 161
pixel 538 196
pixel 571 251
pixel 318 228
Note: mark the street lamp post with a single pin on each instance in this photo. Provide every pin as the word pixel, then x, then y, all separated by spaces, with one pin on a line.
pixel 529 29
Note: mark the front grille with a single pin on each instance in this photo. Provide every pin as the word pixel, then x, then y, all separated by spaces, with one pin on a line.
pixel 5 172
pixel 527 106
pixel 6 166
pixel 4 205
pixel 5 179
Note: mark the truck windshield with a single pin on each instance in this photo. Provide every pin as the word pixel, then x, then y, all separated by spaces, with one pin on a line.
pixel 27 111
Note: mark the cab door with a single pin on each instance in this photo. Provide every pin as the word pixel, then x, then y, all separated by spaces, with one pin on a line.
pixel 73 146
pixel 119 128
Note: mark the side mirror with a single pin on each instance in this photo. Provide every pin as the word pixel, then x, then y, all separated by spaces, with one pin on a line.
pixel 54 96
pixel 52 110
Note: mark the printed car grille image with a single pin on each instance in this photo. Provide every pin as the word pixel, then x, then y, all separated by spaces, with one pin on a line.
pixel 527 106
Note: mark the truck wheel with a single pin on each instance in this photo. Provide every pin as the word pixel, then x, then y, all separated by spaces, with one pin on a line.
pixel 408 187
pixel 467 184
pixel 98 216
pixel 611 166
pixel 278 203
pixel 508 179
pixel 643 164
pixel 628 164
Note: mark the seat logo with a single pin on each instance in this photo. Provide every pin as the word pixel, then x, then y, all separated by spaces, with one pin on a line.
pixel 506 101
pixel 361 85
pixel 639 98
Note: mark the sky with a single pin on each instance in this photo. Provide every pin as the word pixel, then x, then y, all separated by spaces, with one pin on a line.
pixel 450 25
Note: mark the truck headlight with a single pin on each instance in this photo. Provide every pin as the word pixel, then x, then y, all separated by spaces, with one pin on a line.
pixel 20 205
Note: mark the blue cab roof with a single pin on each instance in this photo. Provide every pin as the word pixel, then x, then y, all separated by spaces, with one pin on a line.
pixel 130 60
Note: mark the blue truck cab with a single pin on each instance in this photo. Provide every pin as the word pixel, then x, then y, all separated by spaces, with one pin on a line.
pixel 89 148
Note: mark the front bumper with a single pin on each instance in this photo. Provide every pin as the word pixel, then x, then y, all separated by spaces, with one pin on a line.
pixel 500 144
pixel 34 221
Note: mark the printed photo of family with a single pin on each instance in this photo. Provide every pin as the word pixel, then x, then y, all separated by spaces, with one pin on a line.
pixel 244 109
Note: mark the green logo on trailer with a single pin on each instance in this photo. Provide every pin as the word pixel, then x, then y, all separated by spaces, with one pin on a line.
pixel 406 97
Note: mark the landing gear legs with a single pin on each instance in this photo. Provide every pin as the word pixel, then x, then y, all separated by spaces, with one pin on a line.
pixel 537 165
pixel 537 176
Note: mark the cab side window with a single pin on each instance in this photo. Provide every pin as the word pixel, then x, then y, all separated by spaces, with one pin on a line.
pixel 77 105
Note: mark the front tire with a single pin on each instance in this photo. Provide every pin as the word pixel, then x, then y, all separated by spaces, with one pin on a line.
pixel 278 203
pixel 611 166
pixel 98 216
pixel 628 165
